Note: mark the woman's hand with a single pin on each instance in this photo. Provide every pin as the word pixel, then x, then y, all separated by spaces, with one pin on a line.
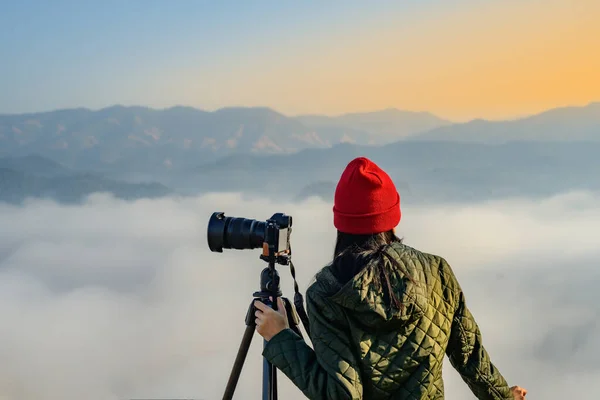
pixel 518 392
pixel 268 321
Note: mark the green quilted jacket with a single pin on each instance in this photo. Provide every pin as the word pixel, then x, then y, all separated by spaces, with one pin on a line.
pixel 365 349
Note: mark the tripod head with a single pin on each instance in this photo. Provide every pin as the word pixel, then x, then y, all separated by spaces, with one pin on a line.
pixel 269 284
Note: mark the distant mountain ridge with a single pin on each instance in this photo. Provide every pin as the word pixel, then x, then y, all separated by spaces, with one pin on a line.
pixel 424 172
pixel 36 165
pixel 38 177
pixel 143 138
pixel 137 140
pixel 378 127
pixel 558 124
pixel 117 134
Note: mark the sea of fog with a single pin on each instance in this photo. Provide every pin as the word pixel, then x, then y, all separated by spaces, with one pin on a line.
pixel 114 300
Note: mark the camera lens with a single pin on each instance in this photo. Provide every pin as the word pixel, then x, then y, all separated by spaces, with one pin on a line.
pixel 234 233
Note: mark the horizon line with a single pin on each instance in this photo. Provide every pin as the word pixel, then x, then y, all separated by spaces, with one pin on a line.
pixel 294 116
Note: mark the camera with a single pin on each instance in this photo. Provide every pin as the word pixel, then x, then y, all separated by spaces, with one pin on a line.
pixel 243 233
pixel 273 236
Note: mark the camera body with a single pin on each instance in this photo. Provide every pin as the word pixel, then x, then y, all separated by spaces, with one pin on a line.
pixel 243 233
pixel 281 227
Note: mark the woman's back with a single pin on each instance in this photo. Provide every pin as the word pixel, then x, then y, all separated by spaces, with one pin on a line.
pixel 398 349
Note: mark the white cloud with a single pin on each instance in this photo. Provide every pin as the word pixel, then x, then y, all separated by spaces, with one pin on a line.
pixel 115 300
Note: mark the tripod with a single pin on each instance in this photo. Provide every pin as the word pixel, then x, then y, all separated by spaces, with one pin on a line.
pixel 269 382
pixel 276 249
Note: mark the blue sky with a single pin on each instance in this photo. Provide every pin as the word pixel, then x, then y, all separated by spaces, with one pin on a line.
pixel 297 57
pixel 91 53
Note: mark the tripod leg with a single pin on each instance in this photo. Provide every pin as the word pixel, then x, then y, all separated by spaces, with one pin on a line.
pixel 269 371
pixel 269 385
pixel 239 362
pixel 273 383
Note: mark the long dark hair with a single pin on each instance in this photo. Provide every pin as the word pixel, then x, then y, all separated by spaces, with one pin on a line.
pixel 353 253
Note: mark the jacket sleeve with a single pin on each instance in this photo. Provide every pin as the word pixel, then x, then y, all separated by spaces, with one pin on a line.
pixel 330 371
pixel 470 358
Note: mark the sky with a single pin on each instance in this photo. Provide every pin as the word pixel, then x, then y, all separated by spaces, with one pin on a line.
pixel 460 60
pixel 113 299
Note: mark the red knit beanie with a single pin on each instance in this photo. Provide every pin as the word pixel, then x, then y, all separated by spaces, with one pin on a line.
pixel 366 200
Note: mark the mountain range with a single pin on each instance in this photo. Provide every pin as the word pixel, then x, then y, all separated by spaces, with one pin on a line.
pixel 424 172
pixel 144 140
pixel 140 152
pixel 38 177
pixel 559 124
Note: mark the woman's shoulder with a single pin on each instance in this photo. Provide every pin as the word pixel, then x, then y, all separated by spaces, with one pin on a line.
pixel 324 283
pixel 402 251
pixel 429 263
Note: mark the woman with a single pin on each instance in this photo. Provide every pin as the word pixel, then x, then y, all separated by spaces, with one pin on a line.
pixel 382 314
